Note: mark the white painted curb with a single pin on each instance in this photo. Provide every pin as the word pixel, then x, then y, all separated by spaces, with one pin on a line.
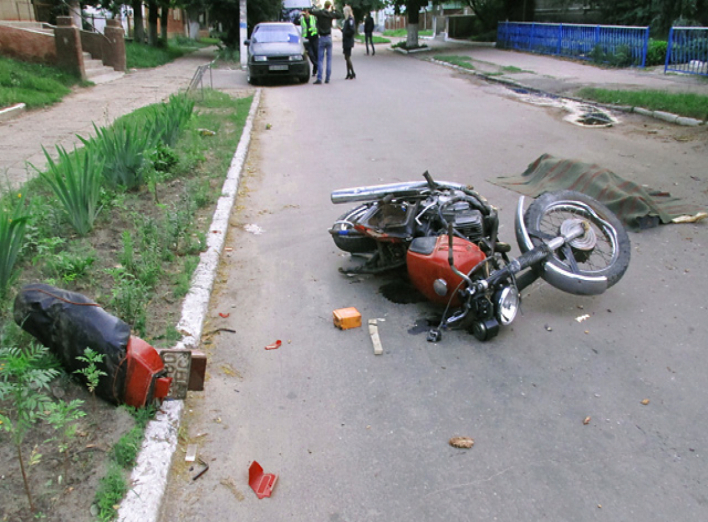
pixel 149 477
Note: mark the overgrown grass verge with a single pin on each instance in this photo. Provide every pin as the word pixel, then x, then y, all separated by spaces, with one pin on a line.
pixel 403 33
pixel 135 260
pixel 114 484
pixel 684 104
pixel 376 39
pixel 32 84
pixel 454 59
pixel 142 56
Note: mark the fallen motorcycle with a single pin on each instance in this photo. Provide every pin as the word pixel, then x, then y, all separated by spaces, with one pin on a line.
pixel 446 235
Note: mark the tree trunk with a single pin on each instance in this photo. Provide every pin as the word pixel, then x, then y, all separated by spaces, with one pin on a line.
pixel 164 13
pixel 152 22
pixel 412 7
pixel 138 25
pixel 412 36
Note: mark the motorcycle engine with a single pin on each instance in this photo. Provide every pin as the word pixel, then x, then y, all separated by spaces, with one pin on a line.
pixel 467 221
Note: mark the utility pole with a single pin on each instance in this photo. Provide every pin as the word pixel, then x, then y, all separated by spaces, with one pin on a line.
pixel 243 32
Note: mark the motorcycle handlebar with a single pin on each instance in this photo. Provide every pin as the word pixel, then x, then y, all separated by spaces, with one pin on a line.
pixel 430 180
pixel 531 258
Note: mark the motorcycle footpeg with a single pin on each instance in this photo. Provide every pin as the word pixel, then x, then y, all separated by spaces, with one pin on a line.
pixel 434 335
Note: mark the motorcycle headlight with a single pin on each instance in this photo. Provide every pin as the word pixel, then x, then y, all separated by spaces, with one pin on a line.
pixel 259 58
pixel 507 304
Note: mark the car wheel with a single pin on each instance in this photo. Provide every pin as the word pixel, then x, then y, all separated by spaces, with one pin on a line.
pixel 251 79
pixel 305 78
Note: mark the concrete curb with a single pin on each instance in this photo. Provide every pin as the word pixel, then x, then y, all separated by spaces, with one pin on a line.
pixel 149 477
pixel 10 112
pixel 659 115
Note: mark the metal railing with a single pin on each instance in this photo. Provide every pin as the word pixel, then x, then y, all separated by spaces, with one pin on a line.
pixel 687 51
pixel 197 81
pixel 614 44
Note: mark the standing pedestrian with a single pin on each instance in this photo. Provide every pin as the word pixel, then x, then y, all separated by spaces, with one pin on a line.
pixel 348 31
pixel 308 23
pixel 324 30
pixel 369 33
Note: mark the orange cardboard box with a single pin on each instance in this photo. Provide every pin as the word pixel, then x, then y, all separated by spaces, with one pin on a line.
pixel 345 318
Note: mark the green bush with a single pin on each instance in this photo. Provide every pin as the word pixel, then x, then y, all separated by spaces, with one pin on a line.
pixel 656 52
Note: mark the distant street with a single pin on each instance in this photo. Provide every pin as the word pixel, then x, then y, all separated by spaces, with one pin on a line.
pixel 357 437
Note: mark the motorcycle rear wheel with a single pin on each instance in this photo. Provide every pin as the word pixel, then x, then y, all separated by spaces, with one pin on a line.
pixel 352 241
pixel 610 254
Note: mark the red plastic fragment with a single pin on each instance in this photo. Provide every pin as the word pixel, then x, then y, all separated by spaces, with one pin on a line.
pixel 222 314
pixel 277 344
pixel 261 483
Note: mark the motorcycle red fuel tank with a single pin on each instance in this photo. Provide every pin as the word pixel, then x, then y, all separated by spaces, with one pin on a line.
pixel 427 260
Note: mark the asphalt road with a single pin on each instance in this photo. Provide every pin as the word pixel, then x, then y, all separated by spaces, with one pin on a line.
pixel 353 436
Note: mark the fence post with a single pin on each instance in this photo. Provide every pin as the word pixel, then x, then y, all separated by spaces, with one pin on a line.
pixel 533 28
pixel 68 45
pixel 560 39
pixel 668 50
pixel 115 48
pixel 646 47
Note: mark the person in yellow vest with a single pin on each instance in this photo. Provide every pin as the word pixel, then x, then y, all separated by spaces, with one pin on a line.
pixel 308 23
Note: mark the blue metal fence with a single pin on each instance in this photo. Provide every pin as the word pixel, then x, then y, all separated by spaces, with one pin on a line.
pixel 687 51
pixel 613 44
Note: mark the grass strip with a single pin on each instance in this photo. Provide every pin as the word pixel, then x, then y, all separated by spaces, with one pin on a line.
pixel 684 104
pixel 454 59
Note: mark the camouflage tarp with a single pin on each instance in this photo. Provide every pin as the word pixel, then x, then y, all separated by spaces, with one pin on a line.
pixel 637 206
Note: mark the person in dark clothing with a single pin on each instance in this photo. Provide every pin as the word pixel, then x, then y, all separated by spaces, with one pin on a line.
pixel 369 33
pixel 324 29
pixel 308 23
pixel 348 31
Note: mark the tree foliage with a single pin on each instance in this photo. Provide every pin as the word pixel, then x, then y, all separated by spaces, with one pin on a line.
pixel 361 7
pixel 226 15
pixel 490 12
pixel 659 14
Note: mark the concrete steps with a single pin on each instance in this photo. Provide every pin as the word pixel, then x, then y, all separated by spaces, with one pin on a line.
pixel 97 73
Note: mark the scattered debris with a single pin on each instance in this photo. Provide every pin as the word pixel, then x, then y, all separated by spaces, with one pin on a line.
pixel 231 484
pixel 206 132
pixel 345 318
pixel 277 344
pixel 645 402
pixel 586 421
pixel 191 453
pixel 461 442
pixel 261 483
pixel 268 126
pixel 224 315
pixel 253 229
pixel 581 114
pixel 374 333
pixel 548 328
pixel 582 318
pixel 217 330
pixel 206 468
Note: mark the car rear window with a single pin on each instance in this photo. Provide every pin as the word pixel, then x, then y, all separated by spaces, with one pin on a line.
pixel 265 34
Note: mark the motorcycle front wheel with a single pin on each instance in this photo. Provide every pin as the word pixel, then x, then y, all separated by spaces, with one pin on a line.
pixel 347 238
pixel 604 249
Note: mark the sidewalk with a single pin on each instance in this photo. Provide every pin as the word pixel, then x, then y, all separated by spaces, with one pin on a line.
pixel 22 138
pixel 562 76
